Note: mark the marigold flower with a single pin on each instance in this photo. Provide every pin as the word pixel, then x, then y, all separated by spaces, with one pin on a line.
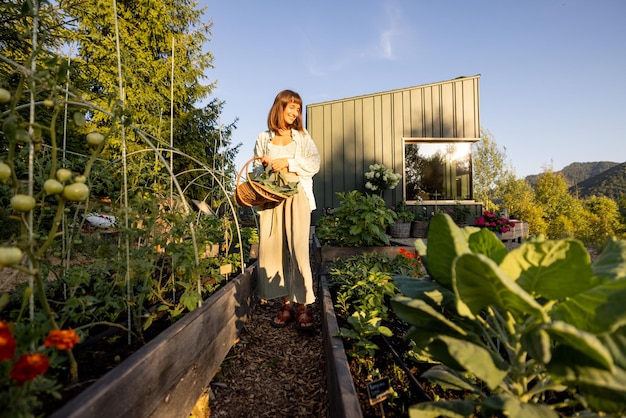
pixel 7 343
pixel 406 253
pixel 62 339
pixel 28 367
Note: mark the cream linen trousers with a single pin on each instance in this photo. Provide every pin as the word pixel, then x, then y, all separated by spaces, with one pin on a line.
pixel 284 264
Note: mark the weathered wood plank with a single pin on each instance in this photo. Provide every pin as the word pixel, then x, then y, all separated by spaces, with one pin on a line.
pixel 325 254
pixel 343 401
pixel 166 376
pixel 517 233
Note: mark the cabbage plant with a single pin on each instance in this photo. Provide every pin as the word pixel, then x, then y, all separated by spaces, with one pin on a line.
pixel 538 331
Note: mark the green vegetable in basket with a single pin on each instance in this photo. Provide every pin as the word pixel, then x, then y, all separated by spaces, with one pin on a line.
pixel 275 181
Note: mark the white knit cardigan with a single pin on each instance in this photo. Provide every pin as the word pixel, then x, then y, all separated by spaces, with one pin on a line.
pixel 306 162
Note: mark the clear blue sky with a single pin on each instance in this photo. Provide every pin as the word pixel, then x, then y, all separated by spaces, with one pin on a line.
pixel 553 73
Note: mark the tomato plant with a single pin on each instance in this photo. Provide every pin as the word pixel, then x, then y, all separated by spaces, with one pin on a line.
pixel 61 165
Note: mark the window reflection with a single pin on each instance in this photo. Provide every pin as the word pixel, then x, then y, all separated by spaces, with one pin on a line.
pixel 438 170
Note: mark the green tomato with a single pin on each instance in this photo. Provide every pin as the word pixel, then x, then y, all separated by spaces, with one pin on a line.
pixel 76 192
pixel 79 119
pixel 22 136
pixel 5 171
pixel 9 127
pixel 23 202
pixel 95 138
pixel 10 256
pixel 63 174
pixel 80 179
pixel 48 103
pixel 5 96
pixel 52 186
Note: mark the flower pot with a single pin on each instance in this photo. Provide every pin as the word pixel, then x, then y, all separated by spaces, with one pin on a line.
pixel 400 230
pixel 419 229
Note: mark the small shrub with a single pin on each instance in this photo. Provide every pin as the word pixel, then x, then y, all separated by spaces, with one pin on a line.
pixel 360 221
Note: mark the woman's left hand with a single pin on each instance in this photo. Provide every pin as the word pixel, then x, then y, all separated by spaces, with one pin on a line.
pixel 279 164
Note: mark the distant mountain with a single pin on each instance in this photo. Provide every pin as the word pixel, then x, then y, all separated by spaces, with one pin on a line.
pixel 578 172
pixel 610 183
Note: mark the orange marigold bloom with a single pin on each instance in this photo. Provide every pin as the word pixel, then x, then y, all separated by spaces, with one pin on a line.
pixel 7 346
pixel 4 327
pixel 62 339
pixel 28 367
pixel 7 342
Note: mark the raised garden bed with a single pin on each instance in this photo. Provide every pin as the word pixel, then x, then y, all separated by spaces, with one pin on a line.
pixel 343 399
pixel 325 254
pixel 344 396
pixel 166 377
pixel 461 331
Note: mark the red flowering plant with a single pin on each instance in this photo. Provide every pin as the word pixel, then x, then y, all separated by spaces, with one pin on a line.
pixel 494 222
pixel 409 263
pixel 23 367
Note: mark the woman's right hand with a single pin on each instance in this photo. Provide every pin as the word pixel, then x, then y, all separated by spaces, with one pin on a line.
pixel 265 160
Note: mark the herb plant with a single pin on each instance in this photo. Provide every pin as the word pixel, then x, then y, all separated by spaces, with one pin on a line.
pixel 403 212
pixel 363 284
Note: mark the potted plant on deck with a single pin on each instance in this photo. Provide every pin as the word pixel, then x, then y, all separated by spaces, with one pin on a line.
pixel 419 225
pixel 402 227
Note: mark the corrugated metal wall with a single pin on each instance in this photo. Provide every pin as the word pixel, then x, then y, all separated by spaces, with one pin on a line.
pixel 355 132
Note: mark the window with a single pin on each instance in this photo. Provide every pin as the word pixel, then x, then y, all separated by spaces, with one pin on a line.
pixel 437 170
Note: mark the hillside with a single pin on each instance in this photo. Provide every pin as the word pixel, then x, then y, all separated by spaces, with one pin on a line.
pixel 610 183
pixel 578 172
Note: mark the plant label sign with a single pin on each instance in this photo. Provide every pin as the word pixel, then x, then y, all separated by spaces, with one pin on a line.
pixel 378 390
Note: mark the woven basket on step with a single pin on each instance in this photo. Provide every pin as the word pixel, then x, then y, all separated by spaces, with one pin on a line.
pixel 252 193
pixel 400 230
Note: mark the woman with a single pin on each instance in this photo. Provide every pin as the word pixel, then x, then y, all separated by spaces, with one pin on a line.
pixel 284 265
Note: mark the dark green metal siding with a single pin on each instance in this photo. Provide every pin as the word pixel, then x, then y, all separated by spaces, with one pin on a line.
pixel 355 132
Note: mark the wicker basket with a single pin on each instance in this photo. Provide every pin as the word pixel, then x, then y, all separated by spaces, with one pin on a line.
pixel 419 229
pixel 400 230
pixel 252 193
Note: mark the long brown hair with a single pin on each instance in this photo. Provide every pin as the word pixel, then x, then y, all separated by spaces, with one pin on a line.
pixel 275 120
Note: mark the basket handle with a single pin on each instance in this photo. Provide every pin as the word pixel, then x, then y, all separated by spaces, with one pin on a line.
pixel 244 169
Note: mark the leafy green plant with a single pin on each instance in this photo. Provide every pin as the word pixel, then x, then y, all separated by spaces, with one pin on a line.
pixel 531 332
pixel 365 325
pixel 360 221
pixel 403 213
pixel 363 285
